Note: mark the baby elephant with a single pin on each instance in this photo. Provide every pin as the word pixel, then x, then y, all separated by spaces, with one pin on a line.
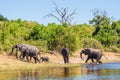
pixel 44 59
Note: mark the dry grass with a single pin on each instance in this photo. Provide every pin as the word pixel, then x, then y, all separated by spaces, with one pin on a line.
pixel 11 63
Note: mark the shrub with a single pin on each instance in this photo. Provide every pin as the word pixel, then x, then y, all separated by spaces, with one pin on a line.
pixel 92 43
pixel 114 49
pixel 107 36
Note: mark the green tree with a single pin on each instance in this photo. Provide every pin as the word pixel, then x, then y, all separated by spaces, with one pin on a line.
pixel 2 18
pixel 107 36
pixel 100 19
pixel 116 27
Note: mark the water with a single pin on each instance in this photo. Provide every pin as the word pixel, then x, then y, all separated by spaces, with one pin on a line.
pixel 107 71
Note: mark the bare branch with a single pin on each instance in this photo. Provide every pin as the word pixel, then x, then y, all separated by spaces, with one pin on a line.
pixel 69 17
pixel 51 15
pixel 63 16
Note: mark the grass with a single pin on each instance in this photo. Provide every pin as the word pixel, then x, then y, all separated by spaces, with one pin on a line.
pixel 28 66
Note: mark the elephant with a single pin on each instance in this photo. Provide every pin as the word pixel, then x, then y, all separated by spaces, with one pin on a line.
pixel 18 48
pixel 65 53
pixel 44 59
pixel 26 50
pixel 92 54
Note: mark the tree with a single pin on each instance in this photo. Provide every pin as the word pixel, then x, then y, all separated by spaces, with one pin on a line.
pixel 63 15
pixel 116 26
pixel 100 19
pixel 2 18
pixel 107 36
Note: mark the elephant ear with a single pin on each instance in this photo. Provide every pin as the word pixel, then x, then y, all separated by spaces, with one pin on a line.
pixel 86 51
pixel 19 46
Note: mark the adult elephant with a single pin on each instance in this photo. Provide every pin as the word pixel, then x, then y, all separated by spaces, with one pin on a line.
pixel 26 50
pixel 65 53
pixel 92 54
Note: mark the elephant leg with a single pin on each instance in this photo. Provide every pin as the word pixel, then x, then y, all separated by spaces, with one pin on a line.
pixel 36 59
pixel 22 56
pixel 99 61
pixel 30 58
pixel 42 60
pixel 64 59
pixel 87 60
pixel 16 54
pixel 92 60
pixel 67 59
pixel 27 58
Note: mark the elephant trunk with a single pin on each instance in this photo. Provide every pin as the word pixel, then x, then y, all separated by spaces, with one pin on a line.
pixel 11 51
pixel 81 55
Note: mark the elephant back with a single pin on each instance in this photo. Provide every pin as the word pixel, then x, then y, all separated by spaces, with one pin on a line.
pixel 65 51
pixel 33 49
pixel 95 51
pixel 30 48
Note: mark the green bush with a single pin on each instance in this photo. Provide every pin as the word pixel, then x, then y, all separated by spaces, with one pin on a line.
pixel 107 36
pixel 114 49
pixel 54 36
pixel 91 43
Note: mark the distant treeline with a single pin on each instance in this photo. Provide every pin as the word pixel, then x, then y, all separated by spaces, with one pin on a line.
pixel 54 36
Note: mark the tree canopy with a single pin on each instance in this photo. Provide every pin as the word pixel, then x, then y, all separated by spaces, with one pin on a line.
pixel 54 36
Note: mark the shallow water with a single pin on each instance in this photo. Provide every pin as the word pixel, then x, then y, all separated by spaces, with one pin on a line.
pixel 107 71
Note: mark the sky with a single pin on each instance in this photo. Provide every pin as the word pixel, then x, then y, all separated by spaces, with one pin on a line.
pixel 35 10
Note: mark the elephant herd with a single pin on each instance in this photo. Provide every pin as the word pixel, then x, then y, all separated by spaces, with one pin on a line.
pixel 33 52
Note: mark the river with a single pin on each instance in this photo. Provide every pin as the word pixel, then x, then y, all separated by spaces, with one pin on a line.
pixel 106 71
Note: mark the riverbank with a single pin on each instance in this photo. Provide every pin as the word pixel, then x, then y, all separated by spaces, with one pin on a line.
pixel 11 63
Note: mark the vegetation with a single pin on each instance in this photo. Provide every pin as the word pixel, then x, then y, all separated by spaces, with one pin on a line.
pixel 54 36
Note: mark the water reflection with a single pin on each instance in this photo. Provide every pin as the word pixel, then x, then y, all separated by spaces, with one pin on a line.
pixel 109 71
pixel 28 75
pixel 93 67
pixel 66 71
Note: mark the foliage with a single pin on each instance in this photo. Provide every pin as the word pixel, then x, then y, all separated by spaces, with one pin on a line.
pixel 54 36
pixel 112 49
pixel 100 19
pixel 107 36
pixel 116 27
pixel 91 43
pixel 14 31
pixel 2 18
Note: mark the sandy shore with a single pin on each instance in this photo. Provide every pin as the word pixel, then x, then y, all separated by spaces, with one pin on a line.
pixel 10 62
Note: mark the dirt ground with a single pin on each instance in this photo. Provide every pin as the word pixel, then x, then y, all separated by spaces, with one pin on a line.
pixel 6 60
